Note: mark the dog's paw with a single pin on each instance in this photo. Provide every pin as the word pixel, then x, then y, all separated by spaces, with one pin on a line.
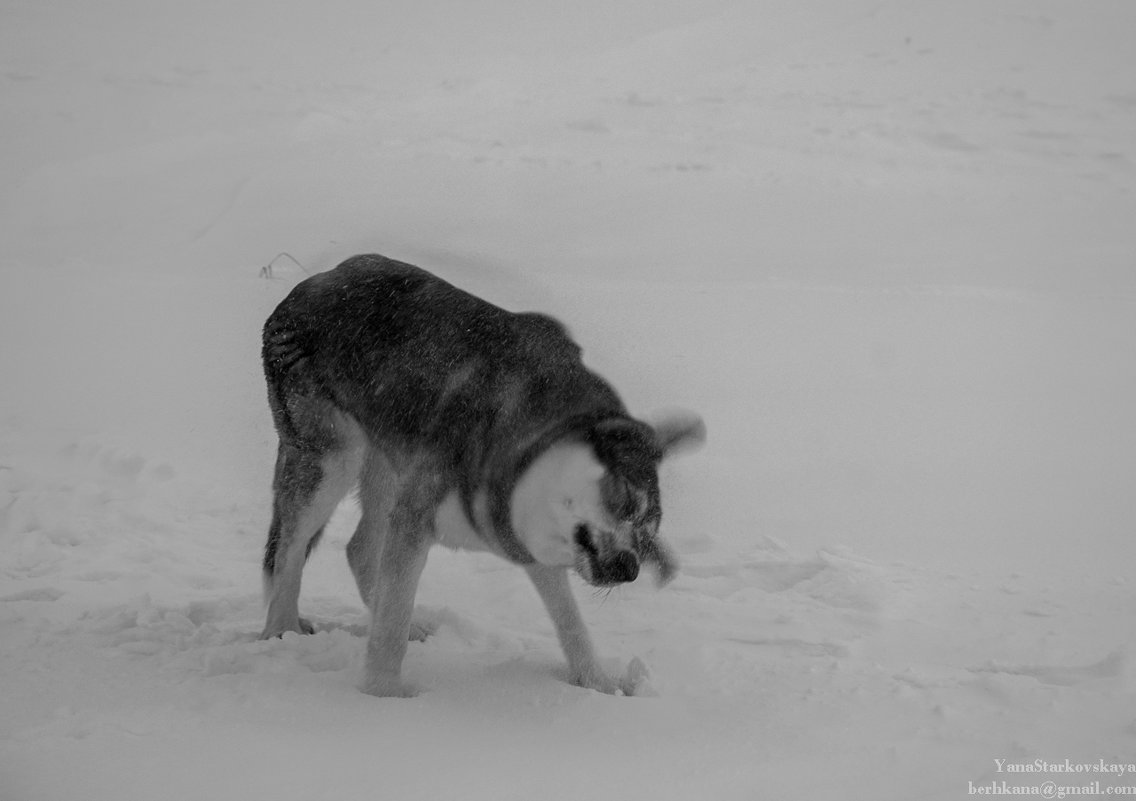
pixel 420 631
pixel 595 678
pixel 388 687
pixel 636 680
pixel 300 626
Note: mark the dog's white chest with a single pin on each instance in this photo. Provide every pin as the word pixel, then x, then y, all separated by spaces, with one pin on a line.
pixel 452 527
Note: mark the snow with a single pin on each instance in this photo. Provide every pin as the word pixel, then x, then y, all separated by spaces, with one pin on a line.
pixel 884 248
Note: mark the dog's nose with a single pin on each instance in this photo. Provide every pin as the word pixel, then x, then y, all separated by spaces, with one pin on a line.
pixel 624 567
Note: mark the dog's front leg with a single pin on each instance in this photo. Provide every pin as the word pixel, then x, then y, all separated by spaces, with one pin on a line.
pixel 392 603
pixel 552 584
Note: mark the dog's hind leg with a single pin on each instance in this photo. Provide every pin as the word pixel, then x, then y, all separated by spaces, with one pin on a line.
pixel 378 487
pixel 309 484
pixel 397 566
pixel 584 671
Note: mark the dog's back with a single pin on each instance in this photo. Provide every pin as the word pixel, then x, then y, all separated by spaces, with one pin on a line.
pixel 418 362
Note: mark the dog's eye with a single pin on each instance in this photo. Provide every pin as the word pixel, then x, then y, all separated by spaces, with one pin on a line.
pixel 621 500
pixel 583 539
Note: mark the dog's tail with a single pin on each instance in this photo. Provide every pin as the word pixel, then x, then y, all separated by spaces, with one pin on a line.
pixel 285 356
pixel 271 549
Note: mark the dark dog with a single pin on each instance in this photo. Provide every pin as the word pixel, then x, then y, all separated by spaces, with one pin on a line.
pixel 463 424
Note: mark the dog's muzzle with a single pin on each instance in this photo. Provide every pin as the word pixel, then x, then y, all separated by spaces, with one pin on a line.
pixel 621 568
pixel 603 570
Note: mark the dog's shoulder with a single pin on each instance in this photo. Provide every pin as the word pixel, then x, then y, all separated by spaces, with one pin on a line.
pixel 360 279
pixel 542 325
pixel 545 335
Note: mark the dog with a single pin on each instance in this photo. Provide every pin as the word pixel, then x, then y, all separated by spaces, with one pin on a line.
pixel 460 423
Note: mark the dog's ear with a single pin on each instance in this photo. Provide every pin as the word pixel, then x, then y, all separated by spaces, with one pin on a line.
pixel 628 443
pixel 678 430
pixel 658 554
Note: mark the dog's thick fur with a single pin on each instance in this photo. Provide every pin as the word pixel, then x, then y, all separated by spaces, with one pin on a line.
pixel 461 423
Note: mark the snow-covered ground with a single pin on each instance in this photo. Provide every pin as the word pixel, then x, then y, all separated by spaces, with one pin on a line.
pixel 887 249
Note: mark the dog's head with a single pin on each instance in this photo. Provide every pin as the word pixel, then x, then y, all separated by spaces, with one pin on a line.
pixel 591 500
pixel 611 545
